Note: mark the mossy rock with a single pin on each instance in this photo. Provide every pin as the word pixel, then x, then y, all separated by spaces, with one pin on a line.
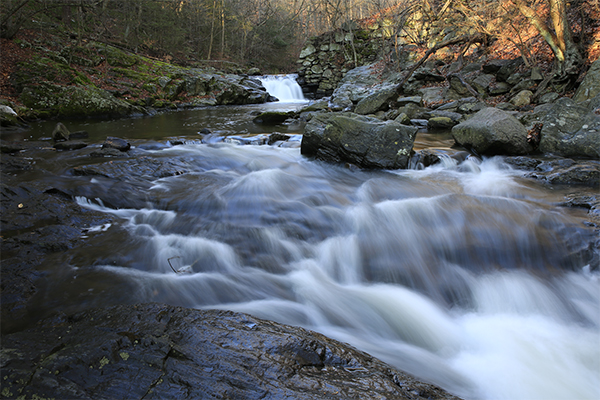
pixel 84 56
pixel 46 69
pixel 74 101
pixel 118 58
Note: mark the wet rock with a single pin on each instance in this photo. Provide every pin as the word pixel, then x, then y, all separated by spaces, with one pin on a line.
pixel 272 117
pixel 36 222
pixel 108 152
pixel 69 145
pixel 11 147
pixel 60 132
pixel 116 143
pixel 277 137
pixel 363 141
pixel 160 351
pixel 492 132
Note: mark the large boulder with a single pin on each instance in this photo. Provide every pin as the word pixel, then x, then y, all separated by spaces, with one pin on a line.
pixel 590 86
pixel 364 141
pixel 492 131
pixel 157 351
pixel 571 129
pixel 75 101
pixel 360 83
pixel 376 102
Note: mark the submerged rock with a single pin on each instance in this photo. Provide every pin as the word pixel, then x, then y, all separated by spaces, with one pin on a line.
pixel 159 351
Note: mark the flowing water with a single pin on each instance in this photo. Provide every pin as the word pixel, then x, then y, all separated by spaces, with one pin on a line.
pixel 464 274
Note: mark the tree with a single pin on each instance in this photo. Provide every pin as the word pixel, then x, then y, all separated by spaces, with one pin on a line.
pixel 568 58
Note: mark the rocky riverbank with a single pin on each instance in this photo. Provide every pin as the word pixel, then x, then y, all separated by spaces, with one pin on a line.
pixel 50 77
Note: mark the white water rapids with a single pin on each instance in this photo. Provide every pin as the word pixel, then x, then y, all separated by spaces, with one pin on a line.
pixel 460 274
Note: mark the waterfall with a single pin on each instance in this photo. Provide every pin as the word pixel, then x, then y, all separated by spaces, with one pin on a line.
pixel 284 87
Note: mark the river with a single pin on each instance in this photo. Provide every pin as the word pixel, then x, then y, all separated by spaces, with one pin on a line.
pixel 464 274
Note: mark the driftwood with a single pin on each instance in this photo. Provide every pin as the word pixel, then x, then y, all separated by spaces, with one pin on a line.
pixel 476 38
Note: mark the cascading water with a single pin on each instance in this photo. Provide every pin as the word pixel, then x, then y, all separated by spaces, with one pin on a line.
pixel 466 274
pixel 283 87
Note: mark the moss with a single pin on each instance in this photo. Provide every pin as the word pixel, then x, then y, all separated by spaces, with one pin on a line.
pixel 46 69
pixel 132 74
pixel 73 101
pixel 118 58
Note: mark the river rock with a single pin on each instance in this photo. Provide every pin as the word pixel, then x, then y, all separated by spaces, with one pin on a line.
pixel 116 143
pixel 75 101
pixel 60 132
pixel 273 117
pixel 590 86
pixel 363 141
pixel 69 145
pixel 157 351
pixel 375 102
pixel 570 130
pixel 492 132
pixel 8 116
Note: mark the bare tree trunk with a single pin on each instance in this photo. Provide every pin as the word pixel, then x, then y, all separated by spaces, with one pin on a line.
pixel 212 30
pixel 567 56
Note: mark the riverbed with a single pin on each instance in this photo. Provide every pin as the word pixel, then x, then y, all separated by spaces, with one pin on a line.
pixel 465 274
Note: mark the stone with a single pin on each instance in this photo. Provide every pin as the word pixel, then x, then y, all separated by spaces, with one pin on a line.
pixel 499 88
pixel 272 117
pixel 375 102
pixel 60 132
pixel 116 143
pixel 402 101
pixel 69 145
pixel 8 116
pixel 590 86
pixel 482 83
pixel 362 141
pixel 492 131
pixel 549 97
pixel 570 130
pixel 440 123
pixel 165 352
pixel 522 98
pixel 75 101
pixel 507 69
pixel 307 51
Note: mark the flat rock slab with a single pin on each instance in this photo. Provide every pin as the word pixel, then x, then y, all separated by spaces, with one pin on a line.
pixel 155 351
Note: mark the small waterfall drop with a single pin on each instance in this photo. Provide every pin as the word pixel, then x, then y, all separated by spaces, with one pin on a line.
pixel 284 87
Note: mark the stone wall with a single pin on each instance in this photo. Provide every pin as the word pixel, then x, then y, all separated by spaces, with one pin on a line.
pixel 325 59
